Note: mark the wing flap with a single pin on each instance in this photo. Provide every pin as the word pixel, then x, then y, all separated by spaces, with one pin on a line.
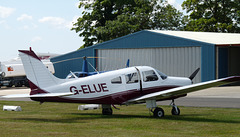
pixel 38 95
pixel 184 90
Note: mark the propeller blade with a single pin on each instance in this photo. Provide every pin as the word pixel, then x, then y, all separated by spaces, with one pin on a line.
pixel 97 57
pixel 194 74
pixel 78 58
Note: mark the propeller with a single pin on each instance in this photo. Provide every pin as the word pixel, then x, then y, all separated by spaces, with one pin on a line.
pixel 194 74
pixel 84 57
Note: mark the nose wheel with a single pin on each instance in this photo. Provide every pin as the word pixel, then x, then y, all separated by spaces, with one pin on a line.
pixel 175 109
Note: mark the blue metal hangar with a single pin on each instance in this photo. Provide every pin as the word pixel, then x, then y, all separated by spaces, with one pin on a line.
pixel 175 53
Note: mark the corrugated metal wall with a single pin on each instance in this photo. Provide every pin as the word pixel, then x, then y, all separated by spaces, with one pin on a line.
pixel 175 61
pixel 143 40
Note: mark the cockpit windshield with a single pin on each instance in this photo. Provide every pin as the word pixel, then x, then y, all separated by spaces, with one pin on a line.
pixel 163 76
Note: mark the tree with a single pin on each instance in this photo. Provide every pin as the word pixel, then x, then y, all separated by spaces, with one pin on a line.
pixel 213 15
pixel 133 18
pixel 104 20
pixel 166 17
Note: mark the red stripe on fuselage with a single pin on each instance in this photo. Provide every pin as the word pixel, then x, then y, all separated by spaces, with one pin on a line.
pixel 116 98
pixel 35 89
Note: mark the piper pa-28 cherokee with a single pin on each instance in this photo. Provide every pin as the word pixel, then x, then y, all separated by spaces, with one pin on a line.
pixel 132 85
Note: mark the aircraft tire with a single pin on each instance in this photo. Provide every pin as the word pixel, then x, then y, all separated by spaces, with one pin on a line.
pixel 10 84
pixel 18 84
pixel 158 112
pixel 174 112
pixel 107 111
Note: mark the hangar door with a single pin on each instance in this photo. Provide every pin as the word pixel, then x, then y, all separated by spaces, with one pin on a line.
pixel 177 61
pixel 227 61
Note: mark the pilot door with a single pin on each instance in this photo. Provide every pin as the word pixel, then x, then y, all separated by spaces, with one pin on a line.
pixel 150 81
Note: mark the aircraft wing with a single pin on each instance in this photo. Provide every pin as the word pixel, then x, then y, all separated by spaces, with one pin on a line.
pixel 38 95
pixel 175 92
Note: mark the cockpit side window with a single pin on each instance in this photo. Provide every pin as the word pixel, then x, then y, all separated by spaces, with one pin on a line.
pixel 131 78
pixel 149 75
pixel 116 80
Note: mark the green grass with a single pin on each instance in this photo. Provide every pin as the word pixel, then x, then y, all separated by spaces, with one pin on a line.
pixel 61 119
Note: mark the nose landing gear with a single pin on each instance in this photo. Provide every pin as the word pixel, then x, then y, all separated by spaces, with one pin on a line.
pixel 175 109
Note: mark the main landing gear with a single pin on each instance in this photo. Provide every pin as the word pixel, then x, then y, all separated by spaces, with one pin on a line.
pixel 106 109
pixel 159 112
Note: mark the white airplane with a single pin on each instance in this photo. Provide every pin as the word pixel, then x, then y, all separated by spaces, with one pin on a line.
pixel 132 85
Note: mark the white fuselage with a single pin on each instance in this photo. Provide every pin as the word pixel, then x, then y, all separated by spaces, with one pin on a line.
pixel 115 87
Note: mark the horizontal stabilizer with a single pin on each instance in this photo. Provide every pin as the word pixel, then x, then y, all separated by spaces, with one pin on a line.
pixel 38 95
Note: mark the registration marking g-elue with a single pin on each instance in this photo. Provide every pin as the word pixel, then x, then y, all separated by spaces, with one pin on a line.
pixel 86 89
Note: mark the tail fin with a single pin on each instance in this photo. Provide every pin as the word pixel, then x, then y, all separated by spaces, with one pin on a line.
pixel 36 72
pixel 127 65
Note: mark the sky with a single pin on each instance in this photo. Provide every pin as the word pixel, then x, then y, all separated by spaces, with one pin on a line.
pixel 43 25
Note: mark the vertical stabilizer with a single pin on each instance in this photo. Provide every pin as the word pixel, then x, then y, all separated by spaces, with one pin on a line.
pixel 36 71
pixel 85 65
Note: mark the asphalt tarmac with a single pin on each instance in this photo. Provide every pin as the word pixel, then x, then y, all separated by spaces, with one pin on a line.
pixel 223 97
pixel 14 90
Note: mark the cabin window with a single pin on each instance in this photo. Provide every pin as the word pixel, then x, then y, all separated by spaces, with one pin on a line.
pixel 131 78
pixel 149 75
pixel 116 80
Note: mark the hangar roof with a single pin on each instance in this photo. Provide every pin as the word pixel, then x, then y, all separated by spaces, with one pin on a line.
pixel 208 37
